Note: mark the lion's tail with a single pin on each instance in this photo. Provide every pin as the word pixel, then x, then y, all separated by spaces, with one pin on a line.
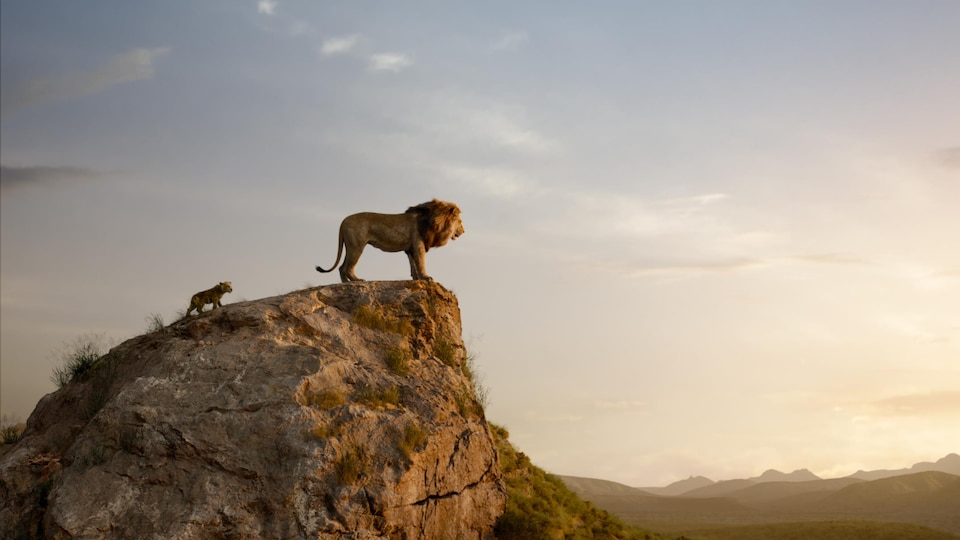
pixel 339 252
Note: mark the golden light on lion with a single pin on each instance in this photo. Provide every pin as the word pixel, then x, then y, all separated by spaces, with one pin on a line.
pixel 414 232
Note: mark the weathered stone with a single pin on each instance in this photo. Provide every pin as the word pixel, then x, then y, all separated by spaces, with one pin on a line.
pixel 276 418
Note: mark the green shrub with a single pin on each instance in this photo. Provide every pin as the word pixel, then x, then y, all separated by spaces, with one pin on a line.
pixel 373 317
pixel 540 506
pixel 823 530
pixel 398 360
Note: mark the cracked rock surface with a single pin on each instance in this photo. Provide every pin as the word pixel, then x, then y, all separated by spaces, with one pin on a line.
pixel 286 417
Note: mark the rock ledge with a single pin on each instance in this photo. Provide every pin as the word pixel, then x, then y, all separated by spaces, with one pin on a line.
pixel 338 411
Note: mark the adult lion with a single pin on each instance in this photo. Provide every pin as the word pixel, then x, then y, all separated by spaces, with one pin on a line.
pixel 414 232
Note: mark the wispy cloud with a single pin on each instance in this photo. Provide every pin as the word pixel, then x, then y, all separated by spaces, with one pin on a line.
pixel 394 62
pixel 622 216
pixel 949 157
pixel 718 266
pixel 738 264
pixel 829 258
pixel 499 182
pixel 339 45
pixel 511 41
pixel 267 7
pixel 21 176
pixel 919 404
pixel 705 199
pixel 134 65
pixel 470 124
pixel 620 405
pixel 915 327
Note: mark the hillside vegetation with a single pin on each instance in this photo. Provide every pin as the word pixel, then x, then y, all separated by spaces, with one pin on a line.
pixel 822 530
pixel 541 507
pixel 926 499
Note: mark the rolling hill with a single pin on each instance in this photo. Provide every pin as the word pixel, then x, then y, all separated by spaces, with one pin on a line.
pixel 928 499
pixel 592 486
pixel 948 464
pixel 680 487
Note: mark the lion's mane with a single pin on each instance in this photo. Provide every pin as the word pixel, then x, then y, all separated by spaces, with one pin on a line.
pixel 437 222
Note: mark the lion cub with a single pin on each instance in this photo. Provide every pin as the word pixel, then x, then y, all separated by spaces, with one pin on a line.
pixel 209 296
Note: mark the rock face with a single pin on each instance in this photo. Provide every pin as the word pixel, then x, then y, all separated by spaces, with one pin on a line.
pixel 343 411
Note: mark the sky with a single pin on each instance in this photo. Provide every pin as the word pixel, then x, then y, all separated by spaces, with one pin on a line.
pixel 702 238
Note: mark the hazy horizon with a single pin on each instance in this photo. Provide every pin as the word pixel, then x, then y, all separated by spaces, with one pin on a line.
pixel 701 238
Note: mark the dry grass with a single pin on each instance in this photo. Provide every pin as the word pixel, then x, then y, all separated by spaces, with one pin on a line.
pixel 154 323
pixel 325 400
pixel 413 437
pixel 321 432
pixel 12 434
pixel 380 399
pixel 469 369
pixel 467 405
pixel 351 465
pixel 445 351
pixel 78 358
pixel 398 360
pixel 373 316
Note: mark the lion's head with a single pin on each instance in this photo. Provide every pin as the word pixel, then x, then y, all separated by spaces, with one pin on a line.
pixel 438 222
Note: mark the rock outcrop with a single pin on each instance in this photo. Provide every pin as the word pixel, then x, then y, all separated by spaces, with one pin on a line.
pixel 344 411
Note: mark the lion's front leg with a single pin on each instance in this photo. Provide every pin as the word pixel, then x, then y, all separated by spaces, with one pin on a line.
pixel 417 256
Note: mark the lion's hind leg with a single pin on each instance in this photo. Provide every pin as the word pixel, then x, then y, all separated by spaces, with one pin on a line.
pixel 350 264
pixel 193 306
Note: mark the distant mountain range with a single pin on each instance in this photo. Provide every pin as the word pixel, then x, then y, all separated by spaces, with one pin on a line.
pixel 925 494
pixel 701 486
pixel 948 464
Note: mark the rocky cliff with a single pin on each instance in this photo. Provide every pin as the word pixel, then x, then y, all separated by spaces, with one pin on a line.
pixel 344 411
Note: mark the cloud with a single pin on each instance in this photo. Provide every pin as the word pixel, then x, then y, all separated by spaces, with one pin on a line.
pixel 339 45
pixel 469 124
pixel 620 405
pixel 134 65
pixel 913 326
pixel 718 266
pixel 920 404
pixel 499 182
pixel 829 258
pixel 267 7
pixel 394 62
pixel 511 41
pixel 18 176
pixel 299 28
pixel 949 157
pixel 623 216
